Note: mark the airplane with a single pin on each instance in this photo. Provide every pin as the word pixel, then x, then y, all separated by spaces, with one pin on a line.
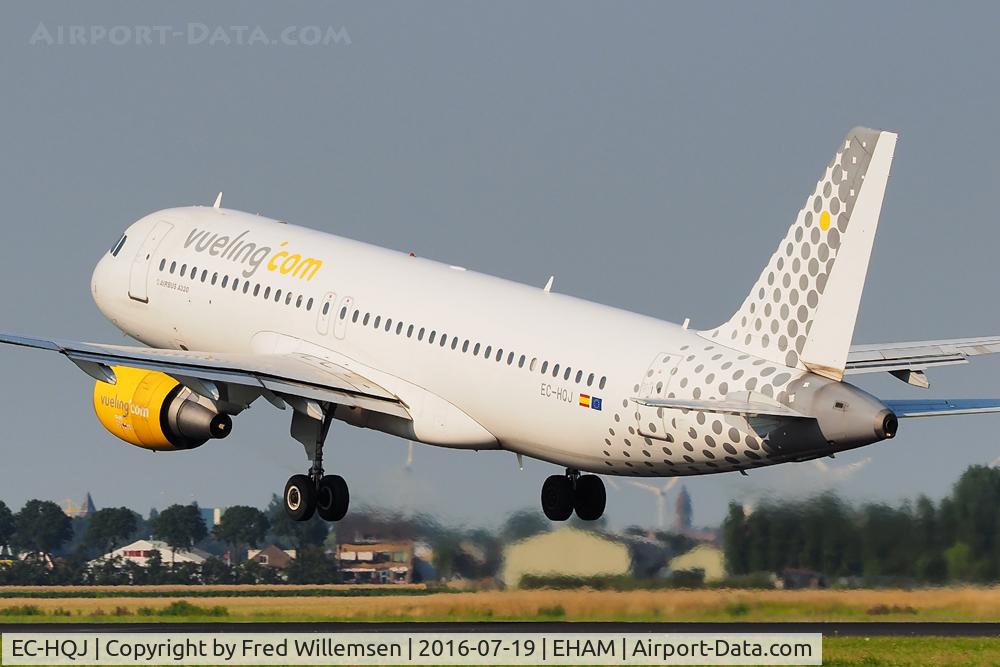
pixel 233 307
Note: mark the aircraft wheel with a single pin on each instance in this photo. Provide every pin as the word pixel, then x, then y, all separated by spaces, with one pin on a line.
pixel 332 498
pixel 300 497
pixel 557 498
pixel 589 497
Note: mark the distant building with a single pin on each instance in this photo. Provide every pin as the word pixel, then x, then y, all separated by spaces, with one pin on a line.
pixel 272 556
pixel 140 551
pixel 376 562
pixel 567 552
pixel 74 511
pixel 705 557
pixel 211 515
pixel 792 578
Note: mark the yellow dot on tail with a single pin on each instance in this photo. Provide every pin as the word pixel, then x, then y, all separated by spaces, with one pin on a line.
pixel 824 220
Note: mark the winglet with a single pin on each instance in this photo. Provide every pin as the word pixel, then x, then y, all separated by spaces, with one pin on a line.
pixel 218 201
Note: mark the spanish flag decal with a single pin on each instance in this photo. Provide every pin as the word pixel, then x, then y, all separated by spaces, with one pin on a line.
pixel 584 400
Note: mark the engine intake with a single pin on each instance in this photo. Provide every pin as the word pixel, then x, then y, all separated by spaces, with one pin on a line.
pixel 154 411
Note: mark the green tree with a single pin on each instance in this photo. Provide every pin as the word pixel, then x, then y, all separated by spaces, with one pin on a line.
pixel 311 566
pixel 523 524
pixel 7 526
pixel 41 527
pixel 241 525
pixel 181 527
pixel 734 540
pixel 110 527
pixel 299 534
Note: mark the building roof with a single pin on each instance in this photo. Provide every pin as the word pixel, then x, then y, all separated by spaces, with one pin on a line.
pixel 196 556
pixel 566 552
pixel 704 557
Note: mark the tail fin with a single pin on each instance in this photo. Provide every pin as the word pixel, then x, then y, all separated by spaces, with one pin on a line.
pixel 802 310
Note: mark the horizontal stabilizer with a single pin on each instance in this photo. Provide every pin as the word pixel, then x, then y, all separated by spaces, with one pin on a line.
pixel 944 406
pixel 743 403
pixel 918 355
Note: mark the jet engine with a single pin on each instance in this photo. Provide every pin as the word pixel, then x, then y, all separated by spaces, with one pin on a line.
pixel 152 410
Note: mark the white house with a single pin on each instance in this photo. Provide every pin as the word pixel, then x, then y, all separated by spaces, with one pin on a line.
pixel 139 552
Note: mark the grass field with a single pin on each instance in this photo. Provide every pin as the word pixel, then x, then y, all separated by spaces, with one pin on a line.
pixel 344 604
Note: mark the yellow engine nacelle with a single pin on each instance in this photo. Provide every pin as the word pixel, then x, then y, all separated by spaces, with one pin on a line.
pixel 152 410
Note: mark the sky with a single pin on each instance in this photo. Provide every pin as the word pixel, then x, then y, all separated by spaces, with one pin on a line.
pixel 623 147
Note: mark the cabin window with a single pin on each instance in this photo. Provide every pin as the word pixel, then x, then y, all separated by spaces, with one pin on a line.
pixel 215 277
pixel 288 298
pixel 444 339
pixel 163 263
pixel 256 289
pixel 173 266
pixel 343 312
pixel 309 304
pixel 475 350
pixel 399 328
pixel 489 349
pixel 603 381
pixel 354 318
pixel 409 331
pixel 534 364
pixel 298 301
pixel 204 275
pixel 579 376
pixel 267 292
pixel 499 354
pixel 378 321
pixel 510 358
pixel 236 284
pixel 454 343
pixel 555 370
pixel 184 268
pixel 431 338
pixel 225 281
pixel 326 308
pixel 545 367
pixel 364 322
pixel 277 295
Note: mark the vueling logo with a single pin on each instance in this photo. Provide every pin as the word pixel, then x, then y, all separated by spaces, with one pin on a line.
pixel 253 256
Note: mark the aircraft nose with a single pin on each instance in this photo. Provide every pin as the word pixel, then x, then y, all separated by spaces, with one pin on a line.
pixel 98 284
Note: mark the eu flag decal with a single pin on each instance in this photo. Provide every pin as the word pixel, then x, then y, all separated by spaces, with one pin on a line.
pixel 595 403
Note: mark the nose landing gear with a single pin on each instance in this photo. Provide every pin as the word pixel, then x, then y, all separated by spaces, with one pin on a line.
pixel 316 492
pixel 562 494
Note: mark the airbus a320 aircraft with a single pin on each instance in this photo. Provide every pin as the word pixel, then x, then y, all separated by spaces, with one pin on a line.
pixel 235 307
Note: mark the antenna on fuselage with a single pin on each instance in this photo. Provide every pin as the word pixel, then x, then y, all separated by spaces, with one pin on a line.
pixel 218 201
pixel 548 285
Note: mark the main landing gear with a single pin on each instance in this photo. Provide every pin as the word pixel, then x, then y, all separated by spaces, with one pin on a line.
pixel 562 494
pixel 315 492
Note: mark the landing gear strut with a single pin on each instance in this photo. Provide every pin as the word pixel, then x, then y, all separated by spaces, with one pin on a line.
pixel 561 494
pixel 315 492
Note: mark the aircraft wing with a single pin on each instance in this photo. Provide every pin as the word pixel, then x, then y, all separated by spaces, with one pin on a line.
pixel 918 355
pixel 293 375
pixel 943 406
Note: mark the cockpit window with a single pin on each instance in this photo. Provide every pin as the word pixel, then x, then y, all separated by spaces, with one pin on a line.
pixel 118 246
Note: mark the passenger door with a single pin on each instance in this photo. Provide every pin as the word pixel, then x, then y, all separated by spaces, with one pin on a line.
pixel 138 280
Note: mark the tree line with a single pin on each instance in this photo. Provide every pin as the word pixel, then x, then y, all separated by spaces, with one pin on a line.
pixel 954 540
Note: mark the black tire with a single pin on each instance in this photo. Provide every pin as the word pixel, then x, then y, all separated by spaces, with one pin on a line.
pixel 332 498
pixel 589 498
pixel 300 498
pixel 557 498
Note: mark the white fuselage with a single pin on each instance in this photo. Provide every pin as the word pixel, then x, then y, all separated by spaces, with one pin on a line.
pixel 473 356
